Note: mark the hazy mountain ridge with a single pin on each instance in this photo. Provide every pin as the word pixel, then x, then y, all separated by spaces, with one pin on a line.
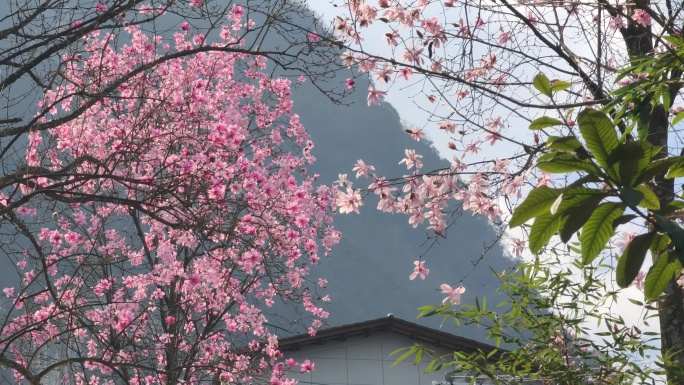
pixel 368 272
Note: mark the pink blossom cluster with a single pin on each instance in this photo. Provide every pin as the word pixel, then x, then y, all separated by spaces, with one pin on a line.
pixel 178 214
pixel 424 196
pixel 459 78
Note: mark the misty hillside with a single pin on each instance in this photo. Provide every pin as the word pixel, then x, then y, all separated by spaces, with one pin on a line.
pixel 368 271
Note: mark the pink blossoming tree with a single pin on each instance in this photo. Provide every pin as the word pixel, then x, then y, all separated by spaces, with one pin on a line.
pixel 160 206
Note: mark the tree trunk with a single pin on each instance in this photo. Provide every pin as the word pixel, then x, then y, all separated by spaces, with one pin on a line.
pixel 671 308
pixel 639 43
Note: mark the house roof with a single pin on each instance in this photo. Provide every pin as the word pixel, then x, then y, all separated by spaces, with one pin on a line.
pixel 414 331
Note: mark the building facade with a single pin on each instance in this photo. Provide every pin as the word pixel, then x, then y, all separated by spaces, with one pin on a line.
pixel 361 353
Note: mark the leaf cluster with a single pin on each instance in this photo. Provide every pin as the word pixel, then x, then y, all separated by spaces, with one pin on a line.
pixel 546 317
pixel 613 185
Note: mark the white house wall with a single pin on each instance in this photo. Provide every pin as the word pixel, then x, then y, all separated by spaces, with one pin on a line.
pixel 363 361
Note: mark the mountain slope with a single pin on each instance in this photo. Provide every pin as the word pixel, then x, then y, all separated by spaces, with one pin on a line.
pixel 368 271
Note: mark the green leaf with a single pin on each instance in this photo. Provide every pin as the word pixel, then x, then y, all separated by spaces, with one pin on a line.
pixel 542 84
pixel 660 274
pixel 599 133
pixel 624 219
pixel 577 205
pixel 671 207
pixel 657 167
pixel 673 40
pixel 564 143
pixel 675 171
pixel 554 207
pixel 419 356
pixel 575 197
pixel 563 162
pixel 560 85
pixel 627 71
pixel 631 158
pixel 675 233
pixel 543 228
pixel 678 118
pixel 598 230
pixel 578 217
pixel 643 113
pixel 427 311
pixel 650 200
pixel 431 367
pixel 666 100
pixel 631 196
pixel 544 122
pixel 538 201
pixel 632 259
pixel 628 88
pixel 634 301
pixel 660 243
pixel 404 356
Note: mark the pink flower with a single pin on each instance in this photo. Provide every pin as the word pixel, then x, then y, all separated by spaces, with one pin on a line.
pixel 307 366
pixel 350 83
pixel 392 38
pixel 545 180
pixel 412 159
pixel 194 280
pixel 313 37
pixel 493 138
pixel 461 94
pixel 416 133
pixel 448 127
pixel 641 17
pixel 419 270
pixel 616 23
pixel 626 240
pixel 145 9
pixel 170 319
pixel 374 95
pixel 236 13
pixel 185 26
pixel 518 246
pixel 494 124
pixel 489 61
pixel 9 292
pixel 405 73
pixel 384 75
pixel 413 55
pixel 453 295
pixel 639 280
pixel 349 201
pixel 680 281
pixel 100 7
pixel 513 187
pixel 362 168
pixel 504 36
pixel 473 147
